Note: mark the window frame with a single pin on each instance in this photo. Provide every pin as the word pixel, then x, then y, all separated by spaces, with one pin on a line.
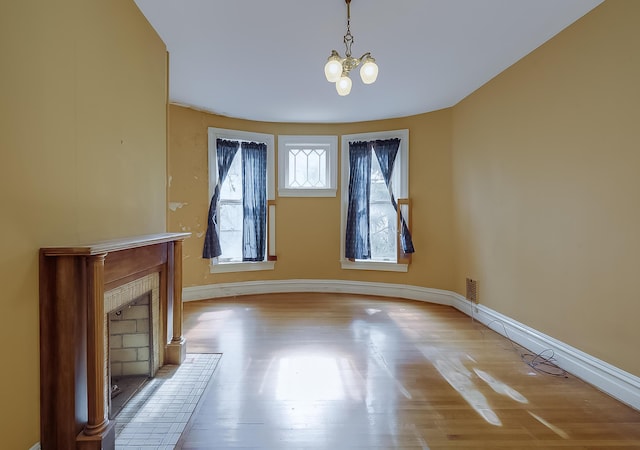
pixel 237 135
pixel 330 142
pixel 400 186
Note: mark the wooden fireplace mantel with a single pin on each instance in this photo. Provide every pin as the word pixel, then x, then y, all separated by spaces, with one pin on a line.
pixel 73 280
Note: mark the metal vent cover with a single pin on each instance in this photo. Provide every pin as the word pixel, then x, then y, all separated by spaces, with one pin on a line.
pixel 472 290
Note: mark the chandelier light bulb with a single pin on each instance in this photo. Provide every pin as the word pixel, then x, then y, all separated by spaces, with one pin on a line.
pixel 343 85
pixel 333 68
pixel 369 71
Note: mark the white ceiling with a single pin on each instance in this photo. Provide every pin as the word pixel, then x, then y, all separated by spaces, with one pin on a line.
pixel 263 59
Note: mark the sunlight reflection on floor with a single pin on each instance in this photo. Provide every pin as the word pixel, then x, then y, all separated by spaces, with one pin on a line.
pixel 500 387
pixel 563 434
pixel 215 315
pixel 308 378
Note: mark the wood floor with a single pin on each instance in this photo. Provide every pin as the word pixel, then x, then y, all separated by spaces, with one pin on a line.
pixel 327 371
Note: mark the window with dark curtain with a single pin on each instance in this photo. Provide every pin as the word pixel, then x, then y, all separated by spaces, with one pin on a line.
pixel 357 235
pixel 254 199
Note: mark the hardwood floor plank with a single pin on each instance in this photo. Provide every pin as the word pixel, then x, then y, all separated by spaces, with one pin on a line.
pixel 329 371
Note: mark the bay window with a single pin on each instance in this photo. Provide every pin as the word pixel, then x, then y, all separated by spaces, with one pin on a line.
pixel 375 227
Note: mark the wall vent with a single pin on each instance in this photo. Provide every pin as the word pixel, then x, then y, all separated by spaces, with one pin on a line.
pixel 472 290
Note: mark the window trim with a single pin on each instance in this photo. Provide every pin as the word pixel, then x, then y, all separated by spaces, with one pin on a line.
pixel 402 191
pixel 328 141
pixel 237 135
pixel 247 266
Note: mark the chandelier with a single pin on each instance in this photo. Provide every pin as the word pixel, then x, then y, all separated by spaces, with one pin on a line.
pixel 337 68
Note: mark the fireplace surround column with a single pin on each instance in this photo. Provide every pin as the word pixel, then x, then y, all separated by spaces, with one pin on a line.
pixel 96 421
pixel 98 431
pixel 177 349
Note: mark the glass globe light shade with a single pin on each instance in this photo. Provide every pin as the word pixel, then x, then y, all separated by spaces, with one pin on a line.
pixel 333 69
pixel 369 71
pixel 343 85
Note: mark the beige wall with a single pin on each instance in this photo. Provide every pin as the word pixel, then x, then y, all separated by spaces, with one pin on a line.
pixel 316 221
pixel 83 153
pixel 546 187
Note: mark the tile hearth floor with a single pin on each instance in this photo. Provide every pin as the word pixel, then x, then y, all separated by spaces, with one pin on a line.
pixel 157 415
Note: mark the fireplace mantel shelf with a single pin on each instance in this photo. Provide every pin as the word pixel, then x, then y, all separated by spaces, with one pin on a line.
pixel 113 245
pixel 73 282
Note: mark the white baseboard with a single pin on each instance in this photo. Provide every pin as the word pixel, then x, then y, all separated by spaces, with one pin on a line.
pixel 336 286
pixel 35 446
pixel 621 385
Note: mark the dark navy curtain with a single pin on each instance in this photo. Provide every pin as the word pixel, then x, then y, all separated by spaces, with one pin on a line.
pixel 225 152
pixel 386 152
pixel 254 201
pixel 357 244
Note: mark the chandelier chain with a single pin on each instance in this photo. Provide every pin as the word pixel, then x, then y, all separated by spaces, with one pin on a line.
pixel 348 38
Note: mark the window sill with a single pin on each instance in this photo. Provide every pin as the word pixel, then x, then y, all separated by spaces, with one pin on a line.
pixel 380 266
pixel 241 266
pixel 289 192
